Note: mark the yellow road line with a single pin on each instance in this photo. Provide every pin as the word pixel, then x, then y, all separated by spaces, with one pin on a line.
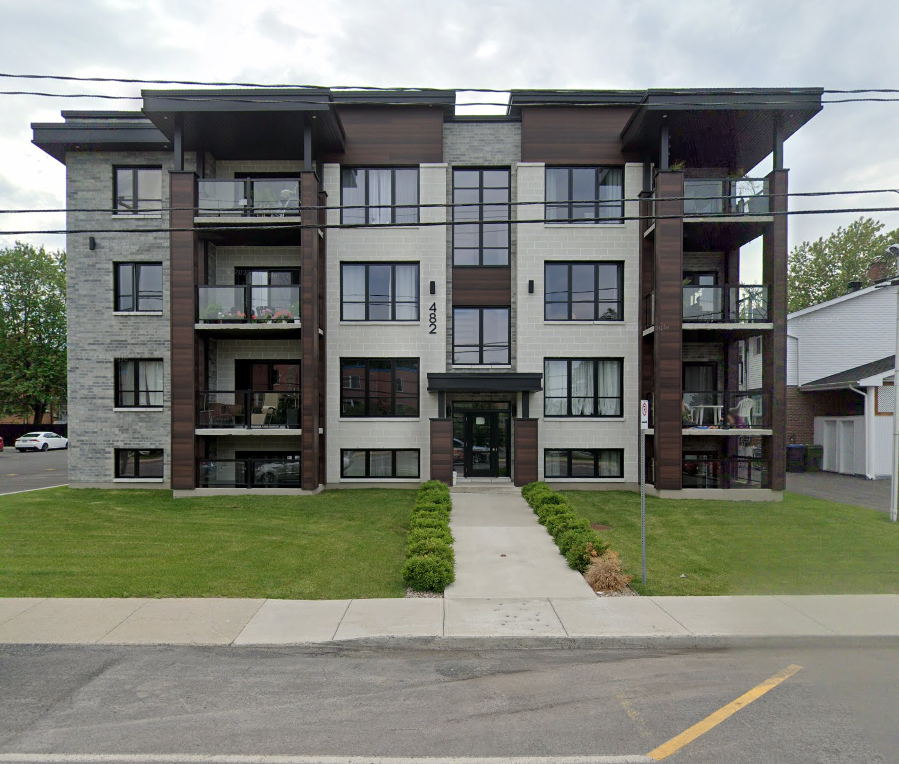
pixel 713 720
pixel 633 714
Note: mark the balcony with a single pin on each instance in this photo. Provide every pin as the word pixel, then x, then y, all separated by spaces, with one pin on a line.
pixel 235 309
pixel 725 305
pixel 262 472
pixel 733 472
pixel 725 197
pixel 724 412
pixel 266 410
pixel 248 198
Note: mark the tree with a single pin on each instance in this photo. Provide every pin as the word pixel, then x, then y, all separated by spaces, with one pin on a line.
pixel 32 330
pixel 821 270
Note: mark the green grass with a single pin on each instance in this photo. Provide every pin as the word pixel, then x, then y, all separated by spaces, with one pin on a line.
pixel 91 543
pixel 800 546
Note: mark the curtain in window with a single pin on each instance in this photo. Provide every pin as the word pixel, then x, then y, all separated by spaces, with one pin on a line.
pixel 556 464
pixel 555 397
pixel 609 464
pixel 353 185
pixel 609 385
pixel 406 292
pixel 126 384
pixel 354 292
pixel 150 383
pixel 406 196
pixel 611 192
pixel 380 464
pixel 582 388
pixel 379 197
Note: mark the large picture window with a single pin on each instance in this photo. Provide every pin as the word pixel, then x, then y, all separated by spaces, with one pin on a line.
pixel 379 196
pixel 482 198
pixel 583 387
pixel 137 190
pixel 138 383
pixel 379 463
pixel 481 336
pixel 584 194
pixel 379 291
pixel 138 463
pixel 378 387
pixel 587 463
pixel 138 287
pixel 590 291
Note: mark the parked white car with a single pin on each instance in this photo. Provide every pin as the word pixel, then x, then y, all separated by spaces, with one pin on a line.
pixel 40 441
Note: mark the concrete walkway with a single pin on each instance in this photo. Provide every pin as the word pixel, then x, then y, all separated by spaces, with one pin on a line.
pixel 455 623
pixel 845 489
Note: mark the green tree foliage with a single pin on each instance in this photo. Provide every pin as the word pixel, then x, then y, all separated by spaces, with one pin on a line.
pixel 821 270
pixel 32 330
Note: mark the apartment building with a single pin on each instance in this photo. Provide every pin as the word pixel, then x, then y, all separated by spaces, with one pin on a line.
pixel 285 290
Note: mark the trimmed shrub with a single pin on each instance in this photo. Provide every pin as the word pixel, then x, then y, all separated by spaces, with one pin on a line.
pixel 542 499
pixel 527 490
pixel 581 554
pixel 428 573
pixel 546 511
pixel 422 534
pixel 565 521
pixel 434 484
pixel 428 547
pixel 428 508
pixel 430 559
pixel 427 521
pixel 574 536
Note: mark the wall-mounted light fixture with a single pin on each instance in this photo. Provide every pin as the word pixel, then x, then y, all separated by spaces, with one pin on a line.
pixel 91 243
pixel 433 287
pixel 531 286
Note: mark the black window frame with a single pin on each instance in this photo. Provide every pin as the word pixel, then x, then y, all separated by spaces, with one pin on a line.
pixel 393 389
pixel 369 476
pixel 393 265
pixel 481 309
pixel 570 202
pixel 119 210
pixel 136 392
pixel 596 458
pixel 137 460
pixel 596 396
pixel 481 222
pixel 241 274
pixel 135 281
pixel 596 290
pixel 393 205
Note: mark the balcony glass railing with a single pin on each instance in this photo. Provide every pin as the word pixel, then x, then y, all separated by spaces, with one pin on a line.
pixel 248 304
pixel 735 472
pixel 261 472
pixel 239 409
pixel 725 196
pixel 725 304
pixel 725 410
pixel 270 197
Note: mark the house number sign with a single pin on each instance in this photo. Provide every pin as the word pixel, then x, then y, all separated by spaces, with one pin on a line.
pixel 432 318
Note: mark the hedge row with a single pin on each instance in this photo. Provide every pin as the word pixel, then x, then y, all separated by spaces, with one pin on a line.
pixel 430 561
pixel 576 540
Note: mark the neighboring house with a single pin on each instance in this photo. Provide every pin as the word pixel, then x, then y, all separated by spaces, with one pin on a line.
pixel 296 288
pixel 840 363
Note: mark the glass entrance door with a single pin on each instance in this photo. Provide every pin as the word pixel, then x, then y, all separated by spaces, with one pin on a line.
pixel 482 447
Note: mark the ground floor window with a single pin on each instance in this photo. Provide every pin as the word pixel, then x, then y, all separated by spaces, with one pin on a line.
pixel 379 463
pixel 138 463
pixel 583 462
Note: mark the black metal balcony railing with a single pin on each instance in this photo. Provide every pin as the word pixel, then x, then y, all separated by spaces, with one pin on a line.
pixel 248 304
pixel 248 409
pixel 649 310
pixel 261 472
pixel 725 410
pixel 725 304
pixel 725 196
pixel 733 472
pixel 269 197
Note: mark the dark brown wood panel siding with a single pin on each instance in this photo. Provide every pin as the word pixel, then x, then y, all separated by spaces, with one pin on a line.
pixel 560 135
pixel 524 459
pixel 182 310
pixel 442 450
pixel 774 345
pixel 311 369
pixel 482 286
pixel 668 336
pixel 390 135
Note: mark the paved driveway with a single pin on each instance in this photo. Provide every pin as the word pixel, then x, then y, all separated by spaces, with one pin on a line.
pixel 845 489
pixel 33 469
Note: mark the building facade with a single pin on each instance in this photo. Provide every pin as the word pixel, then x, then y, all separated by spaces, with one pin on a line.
pixel 289 289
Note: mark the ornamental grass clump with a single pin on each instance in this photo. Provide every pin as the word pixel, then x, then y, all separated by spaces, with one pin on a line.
pixel 604 574
pixel 430 560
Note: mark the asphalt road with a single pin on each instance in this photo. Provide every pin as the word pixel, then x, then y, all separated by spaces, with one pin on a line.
pixel 840 707
pixel 32 469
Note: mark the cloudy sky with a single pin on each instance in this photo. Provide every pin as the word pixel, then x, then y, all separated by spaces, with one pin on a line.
pixel 467 44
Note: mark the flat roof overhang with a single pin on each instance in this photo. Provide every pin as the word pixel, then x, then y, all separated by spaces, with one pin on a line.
pixel 100 131
pixel 248 124
pixel 479 382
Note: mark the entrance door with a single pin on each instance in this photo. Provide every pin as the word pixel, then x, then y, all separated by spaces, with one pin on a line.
pixel 481 444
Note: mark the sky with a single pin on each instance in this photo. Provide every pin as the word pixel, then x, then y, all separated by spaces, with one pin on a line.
pixel 467 44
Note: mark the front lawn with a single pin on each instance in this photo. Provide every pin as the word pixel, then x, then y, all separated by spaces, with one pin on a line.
pixel 340 544
pixel 800 546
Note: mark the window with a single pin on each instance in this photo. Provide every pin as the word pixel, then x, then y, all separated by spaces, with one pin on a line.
pixel 138 383
pixel 137 190
pixel 583 387
pixel 379 463
pixel 583 463
pixel 481 196
pixel 133 463
pixel 266 276
pixel 138 287
pixel 481 336
pixel 584 292
pixel 378 387
pixel 584 194
pixel 379 196
pixel 379 292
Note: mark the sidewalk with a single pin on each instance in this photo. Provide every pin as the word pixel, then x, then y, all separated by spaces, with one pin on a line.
pixel 457 623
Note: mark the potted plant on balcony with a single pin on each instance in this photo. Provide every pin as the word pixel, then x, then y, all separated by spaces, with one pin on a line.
pixel 282 316
pixel 263 315
pixel 234 316
pixel 211 313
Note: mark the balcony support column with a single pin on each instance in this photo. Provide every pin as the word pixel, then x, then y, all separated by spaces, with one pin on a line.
pixel 663 148
pixel 311 371
pixel 307 145
pixel 178 143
